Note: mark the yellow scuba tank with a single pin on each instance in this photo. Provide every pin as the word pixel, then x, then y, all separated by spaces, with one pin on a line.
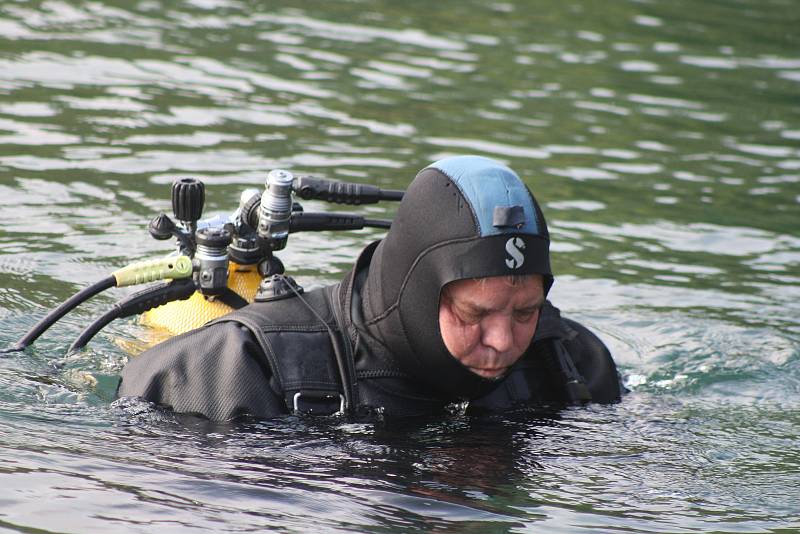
pixel 180 316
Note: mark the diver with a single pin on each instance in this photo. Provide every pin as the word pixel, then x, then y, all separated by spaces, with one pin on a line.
pixel 449 309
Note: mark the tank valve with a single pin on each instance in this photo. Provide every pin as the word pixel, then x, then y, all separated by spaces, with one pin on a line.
pixel 212 259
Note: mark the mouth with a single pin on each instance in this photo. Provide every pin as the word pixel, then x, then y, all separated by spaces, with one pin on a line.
pixel 489 372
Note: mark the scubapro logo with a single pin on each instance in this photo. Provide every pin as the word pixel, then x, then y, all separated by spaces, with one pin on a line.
pixel 514 248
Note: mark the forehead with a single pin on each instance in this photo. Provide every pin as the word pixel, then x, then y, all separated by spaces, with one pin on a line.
pixel 494 290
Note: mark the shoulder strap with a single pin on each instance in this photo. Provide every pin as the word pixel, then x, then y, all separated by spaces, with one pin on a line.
pixel 348 372
pixel 303 366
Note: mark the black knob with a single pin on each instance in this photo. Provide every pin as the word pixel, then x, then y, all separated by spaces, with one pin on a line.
pixel 161 227
pixel 217 238
pixel 188 197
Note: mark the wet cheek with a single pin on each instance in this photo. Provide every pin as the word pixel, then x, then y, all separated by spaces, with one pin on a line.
pixel 459 337
pixel 523 334
pixel 466 339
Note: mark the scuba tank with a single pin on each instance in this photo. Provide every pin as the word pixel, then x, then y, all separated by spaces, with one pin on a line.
pixel 180 316
pixel 222 263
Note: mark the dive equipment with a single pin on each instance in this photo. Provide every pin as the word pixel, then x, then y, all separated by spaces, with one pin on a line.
pixel 221 263
pixel 135 304
pixel 212 258
pixel 188 197
pixel 136 273
pixel 275 210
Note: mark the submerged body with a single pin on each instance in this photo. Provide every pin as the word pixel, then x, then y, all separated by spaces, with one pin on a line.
pixel 448 308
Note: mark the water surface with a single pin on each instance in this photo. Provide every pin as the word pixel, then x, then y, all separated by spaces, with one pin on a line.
pixel 662 138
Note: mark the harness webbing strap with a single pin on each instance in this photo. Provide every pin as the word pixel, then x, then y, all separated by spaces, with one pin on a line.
pixel 303 368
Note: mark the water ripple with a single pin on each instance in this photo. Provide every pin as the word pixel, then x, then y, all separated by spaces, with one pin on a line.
pixel 661 147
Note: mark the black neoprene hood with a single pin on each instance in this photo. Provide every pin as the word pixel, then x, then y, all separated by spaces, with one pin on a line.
pixel 461 217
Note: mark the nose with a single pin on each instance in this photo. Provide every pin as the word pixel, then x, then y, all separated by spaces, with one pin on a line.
pixel 497 333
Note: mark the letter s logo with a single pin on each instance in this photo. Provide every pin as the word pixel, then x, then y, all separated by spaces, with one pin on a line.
pixel 514 248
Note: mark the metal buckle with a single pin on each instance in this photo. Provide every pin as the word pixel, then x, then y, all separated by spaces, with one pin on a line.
pixel 317 395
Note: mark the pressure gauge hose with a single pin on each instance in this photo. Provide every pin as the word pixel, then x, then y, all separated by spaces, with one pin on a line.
pixel 136 273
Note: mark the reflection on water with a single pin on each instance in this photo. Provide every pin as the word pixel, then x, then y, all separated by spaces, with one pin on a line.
pixel 662 139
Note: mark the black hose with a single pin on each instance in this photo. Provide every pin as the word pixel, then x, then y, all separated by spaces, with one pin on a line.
pixel 378 223
pixel 65 307
pixel 311 221
pixel 135 304
pixel 392 194
pixel 308 187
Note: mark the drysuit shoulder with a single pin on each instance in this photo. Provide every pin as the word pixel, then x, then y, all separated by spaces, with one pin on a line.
pixel 593 361
pixel 576 356
pixel 217 371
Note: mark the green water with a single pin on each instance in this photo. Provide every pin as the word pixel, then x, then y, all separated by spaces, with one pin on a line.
pixel 662 138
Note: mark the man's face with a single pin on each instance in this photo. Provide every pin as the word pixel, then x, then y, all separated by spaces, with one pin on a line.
pixel 488 323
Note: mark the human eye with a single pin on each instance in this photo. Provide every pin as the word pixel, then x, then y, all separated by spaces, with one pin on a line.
pixel 469 315
pixel 524 315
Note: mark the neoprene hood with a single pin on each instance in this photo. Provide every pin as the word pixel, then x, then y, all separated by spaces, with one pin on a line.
pixel 461 217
